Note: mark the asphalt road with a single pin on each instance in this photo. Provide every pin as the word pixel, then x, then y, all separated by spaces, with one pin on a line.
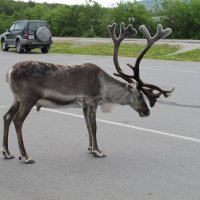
pixel 154 158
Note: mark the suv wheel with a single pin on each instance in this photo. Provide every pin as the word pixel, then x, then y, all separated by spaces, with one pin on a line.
pixel 19 47
pixel 44 50
pixel 28 49
pixel 3 46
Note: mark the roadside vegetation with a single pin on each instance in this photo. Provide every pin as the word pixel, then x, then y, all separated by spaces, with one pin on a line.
pixel 160 52
pixel 127 50
pixel 193 56
pixel 91 19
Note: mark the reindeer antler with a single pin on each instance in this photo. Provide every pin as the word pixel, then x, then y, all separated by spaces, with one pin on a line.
pixel 151 40
pixel 147 89
pixel 124 32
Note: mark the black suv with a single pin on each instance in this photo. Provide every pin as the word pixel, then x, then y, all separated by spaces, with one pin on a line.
pixel 26 35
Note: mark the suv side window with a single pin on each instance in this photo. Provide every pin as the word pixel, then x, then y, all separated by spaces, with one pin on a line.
pixel 22 25
pixel 17 27
pixel 12 28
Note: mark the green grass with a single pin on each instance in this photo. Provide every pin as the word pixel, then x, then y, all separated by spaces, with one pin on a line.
pixel 161 52
pixel 193 56
pixel 156 52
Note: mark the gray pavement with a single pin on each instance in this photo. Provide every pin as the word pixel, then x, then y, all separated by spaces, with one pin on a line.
pixel 155 158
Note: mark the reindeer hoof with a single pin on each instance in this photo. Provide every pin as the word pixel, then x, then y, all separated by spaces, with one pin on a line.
pixel 98 154
pixel 26 161
pixel 90 148
pixel 6 155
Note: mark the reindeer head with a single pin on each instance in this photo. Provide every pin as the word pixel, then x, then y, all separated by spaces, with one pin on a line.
pixel 152 92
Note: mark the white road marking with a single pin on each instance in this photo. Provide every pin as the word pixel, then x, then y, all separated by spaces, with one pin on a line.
pixel 6 106
pixel 123 125
pixel 158 69
pixel 173 70
pixel 127 126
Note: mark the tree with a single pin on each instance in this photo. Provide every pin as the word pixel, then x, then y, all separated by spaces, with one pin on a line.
pixel 182 17
pixel 91 19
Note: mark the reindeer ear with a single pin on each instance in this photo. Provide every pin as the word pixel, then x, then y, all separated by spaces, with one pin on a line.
pixel 130 86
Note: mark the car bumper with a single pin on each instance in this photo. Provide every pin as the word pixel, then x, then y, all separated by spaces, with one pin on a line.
pixel 35 43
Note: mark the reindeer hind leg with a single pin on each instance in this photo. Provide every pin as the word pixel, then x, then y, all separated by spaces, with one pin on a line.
pixel 25 108
pixel 7 118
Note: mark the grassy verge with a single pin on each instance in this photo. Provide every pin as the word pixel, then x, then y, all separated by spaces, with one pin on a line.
pixel 156 52
pixel 193 56
pixel 161 52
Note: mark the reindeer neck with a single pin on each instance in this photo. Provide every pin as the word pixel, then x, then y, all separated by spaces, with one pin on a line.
pixel 118 93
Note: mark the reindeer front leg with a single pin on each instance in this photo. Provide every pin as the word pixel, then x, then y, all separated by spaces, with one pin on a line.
pixel 90 118
pixel 88 128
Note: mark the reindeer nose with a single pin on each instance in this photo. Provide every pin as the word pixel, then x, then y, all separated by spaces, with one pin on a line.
pixel 147 112
pixel 144 113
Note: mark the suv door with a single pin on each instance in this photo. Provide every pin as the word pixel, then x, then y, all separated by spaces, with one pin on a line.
pixel 9 35
pixel 17 31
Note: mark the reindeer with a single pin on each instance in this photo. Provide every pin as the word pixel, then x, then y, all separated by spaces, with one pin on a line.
pixel 84 86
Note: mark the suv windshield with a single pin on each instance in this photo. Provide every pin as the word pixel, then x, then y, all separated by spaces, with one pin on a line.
pixel 33 26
